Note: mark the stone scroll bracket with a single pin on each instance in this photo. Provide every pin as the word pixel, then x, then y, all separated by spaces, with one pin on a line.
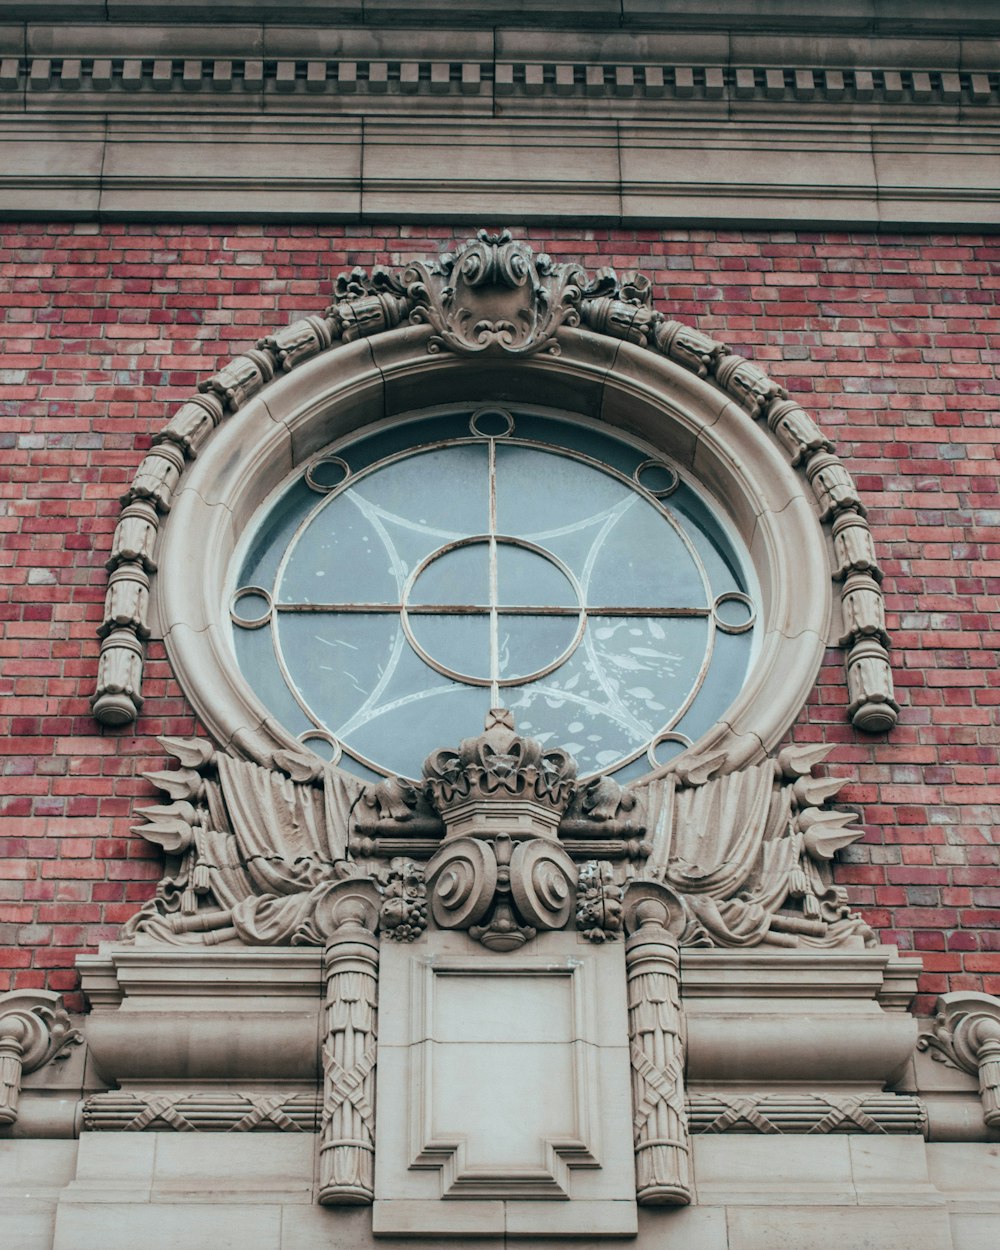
pixel 493 297
pixel 34 1030
pixel 966 1035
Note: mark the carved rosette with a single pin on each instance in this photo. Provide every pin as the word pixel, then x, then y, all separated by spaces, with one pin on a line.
pixel 34 1030
pixel 492 296
pixel 654 919
pixel 966 1035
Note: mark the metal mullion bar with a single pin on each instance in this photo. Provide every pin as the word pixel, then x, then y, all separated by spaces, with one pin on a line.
pixel 475 609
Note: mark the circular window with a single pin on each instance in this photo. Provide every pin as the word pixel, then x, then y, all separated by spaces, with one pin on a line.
pixel 498 557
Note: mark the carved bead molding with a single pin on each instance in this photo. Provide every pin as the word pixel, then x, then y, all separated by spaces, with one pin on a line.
pixel 966 1035
pixel 34 1029
pixel 494 297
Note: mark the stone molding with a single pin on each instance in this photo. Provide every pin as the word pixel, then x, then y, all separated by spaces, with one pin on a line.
pixel 135 1111
pixel 805 1113
pixel 106 80
pixel 368 122
pixel 494 298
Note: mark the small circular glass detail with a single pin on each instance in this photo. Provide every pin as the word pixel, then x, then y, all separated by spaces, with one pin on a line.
pixel 734 613
pixel 251 607
pixel 326 473
pixel 666 747
pixel 480 559
pixel 658 478
pixel 322 744
pixel 491 423
pixel 505 634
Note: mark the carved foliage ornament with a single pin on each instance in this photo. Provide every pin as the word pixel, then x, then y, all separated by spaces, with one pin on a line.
pixel 966 1035
pixel 493 296
pixel 34 1030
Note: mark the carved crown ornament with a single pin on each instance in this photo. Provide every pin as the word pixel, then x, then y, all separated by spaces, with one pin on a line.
pixel 493 299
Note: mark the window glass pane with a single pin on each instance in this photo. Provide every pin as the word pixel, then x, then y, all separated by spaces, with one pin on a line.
pixel 255 654
pixel 723 682
pixel 459 576
pixel 639 559
pixel 529 643
pixel 624 684
pixel 528 579
pixel 458 644
pixel 541 493
pixel 269 542
pixel 575 436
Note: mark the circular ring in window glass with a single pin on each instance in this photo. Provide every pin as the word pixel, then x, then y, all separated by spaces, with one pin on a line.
pixel 734 612
pixel 492 423
pixel 659 479
pixel 665 747
pixel 252 607
pixel 322 744
pixel 327 473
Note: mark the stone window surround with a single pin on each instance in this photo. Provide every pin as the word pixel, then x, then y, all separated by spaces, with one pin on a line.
pixel 377 379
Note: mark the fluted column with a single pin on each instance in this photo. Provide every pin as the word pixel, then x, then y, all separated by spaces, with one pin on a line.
pixel 653 918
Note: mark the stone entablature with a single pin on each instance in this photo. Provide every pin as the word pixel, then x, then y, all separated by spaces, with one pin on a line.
pixel 739 117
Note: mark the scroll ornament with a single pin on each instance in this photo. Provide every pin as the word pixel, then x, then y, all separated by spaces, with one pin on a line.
pixel 493 296
pixel 34 1031
pixel 966 1035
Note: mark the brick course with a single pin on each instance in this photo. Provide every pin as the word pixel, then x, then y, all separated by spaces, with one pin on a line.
pixel 892 343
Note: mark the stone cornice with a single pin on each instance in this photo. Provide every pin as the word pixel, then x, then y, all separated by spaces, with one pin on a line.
pixel 859 17
pixel 360 122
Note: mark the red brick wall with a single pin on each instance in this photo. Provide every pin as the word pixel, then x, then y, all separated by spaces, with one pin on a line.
pixel 886 339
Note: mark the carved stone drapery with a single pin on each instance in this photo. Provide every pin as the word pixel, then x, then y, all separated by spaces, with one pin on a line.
pixel 967 1036
pixel 493 297
pixel 494 840
pixel 654 918
pixel 34 1029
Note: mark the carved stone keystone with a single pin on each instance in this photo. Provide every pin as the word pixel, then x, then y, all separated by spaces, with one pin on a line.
pixel 34 1029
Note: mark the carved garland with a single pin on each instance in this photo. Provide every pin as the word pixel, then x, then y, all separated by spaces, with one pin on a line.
pixel 493 295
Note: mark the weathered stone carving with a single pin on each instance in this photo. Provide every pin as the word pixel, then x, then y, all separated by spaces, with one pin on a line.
pixel 404 901
pixel 966 1035
pixel 34 1029
pixel 491 842
pixel 654 919
pixel 493 295
pixel 598 902
pixel 805 1113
